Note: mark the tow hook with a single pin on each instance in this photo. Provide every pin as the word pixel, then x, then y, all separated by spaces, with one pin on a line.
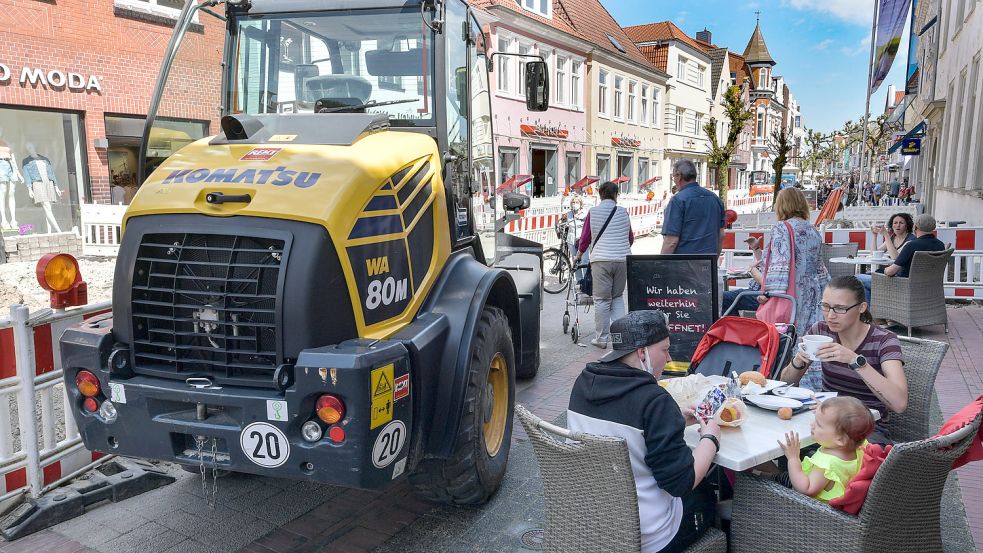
pixel 201 410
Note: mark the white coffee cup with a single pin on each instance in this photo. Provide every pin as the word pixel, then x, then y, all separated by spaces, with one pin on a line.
pixel 879 254
pixel 811 343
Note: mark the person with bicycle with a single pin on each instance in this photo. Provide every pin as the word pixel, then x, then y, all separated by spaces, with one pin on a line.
pixel 607 234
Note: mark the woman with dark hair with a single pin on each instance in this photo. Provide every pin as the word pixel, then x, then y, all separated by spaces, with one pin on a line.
pixel 863 360
pixel 898 232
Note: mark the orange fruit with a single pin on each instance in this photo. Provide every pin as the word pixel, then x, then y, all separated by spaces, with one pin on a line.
pixel 785 413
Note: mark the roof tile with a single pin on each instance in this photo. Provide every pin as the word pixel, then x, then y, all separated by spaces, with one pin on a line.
pixel 663 31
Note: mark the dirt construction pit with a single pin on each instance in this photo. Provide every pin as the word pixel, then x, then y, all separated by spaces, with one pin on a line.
pixel 19 284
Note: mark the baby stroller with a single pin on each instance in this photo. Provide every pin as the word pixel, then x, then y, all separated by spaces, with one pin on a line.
pixel 740 344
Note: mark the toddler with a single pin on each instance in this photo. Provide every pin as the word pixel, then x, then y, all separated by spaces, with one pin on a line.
pixel 841 427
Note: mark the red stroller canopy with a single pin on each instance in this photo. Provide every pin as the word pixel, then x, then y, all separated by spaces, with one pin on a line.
pixel 744 332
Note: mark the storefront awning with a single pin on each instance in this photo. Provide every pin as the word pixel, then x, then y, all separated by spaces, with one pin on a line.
pixel 899 110
pixel 918 130
pixel 650 182
pixel 621 180
pixel 584 183
pixel 513 182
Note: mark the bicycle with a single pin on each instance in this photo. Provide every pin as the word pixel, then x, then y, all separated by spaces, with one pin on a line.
pixel 557 268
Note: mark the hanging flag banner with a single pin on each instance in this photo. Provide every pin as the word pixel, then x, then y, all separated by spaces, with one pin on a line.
pixel 891 17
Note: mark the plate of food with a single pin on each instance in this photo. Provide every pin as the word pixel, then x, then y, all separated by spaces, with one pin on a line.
pixel 773 403
pixel 794 392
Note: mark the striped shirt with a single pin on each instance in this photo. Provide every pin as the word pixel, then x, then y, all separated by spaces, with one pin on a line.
pixel 878 346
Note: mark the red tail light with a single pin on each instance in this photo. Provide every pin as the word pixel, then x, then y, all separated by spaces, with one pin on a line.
pixel 90 404
pixel 87 383
pixel 330 409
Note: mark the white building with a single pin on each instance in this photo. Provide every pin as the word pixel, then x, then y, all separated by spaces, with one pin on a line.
pixel 949 109
pixel 689 97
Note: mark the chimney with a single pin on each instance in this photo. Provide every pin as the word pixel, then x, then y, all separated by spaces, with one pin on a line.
pixel 704 36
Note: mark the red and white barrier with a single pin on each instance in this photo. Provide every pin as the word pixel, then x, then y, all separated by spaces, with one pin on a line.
pixel 34 457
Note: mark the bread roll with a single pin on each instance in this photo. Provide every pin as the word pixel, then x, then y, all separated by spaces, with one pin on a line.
pixel 753 376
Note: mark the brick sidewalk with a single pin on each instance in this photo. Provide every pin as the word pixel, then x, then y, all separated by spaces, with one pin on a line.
pixel 960 381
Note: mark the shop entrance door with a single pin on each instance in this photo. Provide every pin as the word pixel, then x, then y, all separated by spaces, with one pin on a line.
pixel 542 166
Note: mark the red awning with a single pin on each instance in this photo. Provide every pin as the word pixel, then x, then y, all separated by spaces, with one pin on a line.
pixel 584 183
pixel 515 181
pixel 649 182
pixel 621 180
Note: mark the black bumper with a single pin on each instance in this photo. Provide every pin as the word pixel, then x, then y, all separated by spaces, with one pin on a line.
pixel 158 418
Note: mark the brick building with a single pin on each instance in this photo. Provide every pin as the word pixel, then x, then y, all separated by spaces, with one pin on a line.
pixel 76 79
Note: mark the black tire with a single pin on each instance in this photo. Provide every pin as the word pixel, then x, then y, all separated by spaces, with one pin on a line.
pixel 472 475
pixel 556 271
pixel 575 333
pixel 566 322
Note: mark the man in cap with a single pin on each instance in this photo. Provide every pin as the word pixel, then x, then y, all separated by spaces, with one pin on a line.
pixel 619 395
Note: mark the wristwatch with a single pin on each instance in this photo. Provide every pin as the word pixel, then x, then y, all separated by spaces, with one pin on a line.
pixel 860 361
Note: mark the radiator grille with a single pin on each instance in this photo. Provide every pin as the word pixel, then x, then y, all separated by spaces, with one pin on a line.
pixel 206 305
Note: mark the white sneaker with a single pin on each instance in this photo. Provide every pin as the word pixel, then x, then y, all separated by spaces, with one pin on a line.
pixel 603 344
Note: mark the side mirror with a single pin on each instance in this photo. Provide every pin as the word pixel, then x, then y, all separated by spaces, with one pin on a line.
pixel 513 201
pixel 537 86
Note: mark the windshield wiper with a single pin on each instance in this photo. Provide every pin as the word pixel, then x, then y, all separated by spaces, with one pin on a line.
pixel 367 105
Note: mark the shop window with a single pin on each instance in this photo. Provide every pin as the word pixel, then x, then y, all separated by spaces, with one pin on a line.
pixel 572 168
pixel 624 170
pixel 42 171
pixel 604 167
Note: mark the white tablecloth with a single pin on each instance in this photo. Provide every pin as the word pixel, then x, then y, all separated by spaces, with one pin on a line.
pixel 862 260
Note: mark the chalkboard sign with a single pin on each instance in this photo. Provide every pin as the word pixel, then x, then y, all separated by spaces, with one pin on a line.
pixel 684 287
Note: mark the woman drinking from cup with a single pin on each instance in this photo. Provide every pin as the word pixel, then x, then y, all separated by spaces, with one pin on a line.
pixel 862 360
pixel 898 232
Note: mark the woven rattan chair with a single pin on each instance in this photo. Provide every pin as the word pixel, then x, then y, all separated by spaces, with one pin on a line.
pixel 922 359
pixel 830 251
pixel 589 489
pixel 900 514
pixel 915 301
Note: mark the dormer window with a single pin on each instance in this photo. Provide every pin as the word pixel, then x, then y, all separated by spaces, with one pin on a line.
pixel 542 7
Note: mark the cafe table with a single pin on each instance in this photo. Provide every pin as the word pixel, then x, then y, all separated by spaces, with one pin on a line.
pixel 756 440
pixel 862 260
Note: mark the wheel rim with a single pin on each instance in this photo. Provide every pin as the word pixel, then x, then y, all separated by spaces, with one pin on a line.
pixel 496 404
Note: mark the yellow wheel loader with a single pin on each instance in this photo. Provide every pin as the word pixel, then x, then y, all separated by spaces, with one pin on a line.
pixel 320 289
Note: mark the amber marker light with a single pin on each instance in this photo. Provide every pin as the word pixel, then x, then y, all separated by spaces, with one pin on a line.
pixel 59 274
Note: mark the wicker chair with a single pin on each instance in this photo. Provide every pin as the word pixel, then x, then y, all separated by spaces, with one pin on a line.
pixel 900 514
pixel 589 489
pixel 922 359
pixel 830 251
pixel 915 301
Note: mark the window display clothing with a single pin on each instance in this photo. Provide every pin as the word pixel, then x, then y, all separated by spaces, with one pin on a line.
pixel 9 175
pixel 39 172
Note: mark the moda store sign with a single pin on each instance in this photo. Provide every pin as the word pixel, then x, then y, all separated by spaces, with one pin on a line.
pixel 53 78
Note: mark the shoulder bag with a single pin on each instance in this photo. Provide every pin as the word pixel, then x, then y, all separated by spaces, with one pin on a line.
pixel 587 282
pixel 779 310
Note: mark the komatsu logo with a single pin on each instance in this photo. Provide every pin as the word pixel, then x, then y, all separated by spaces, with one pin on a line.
pixel 277 177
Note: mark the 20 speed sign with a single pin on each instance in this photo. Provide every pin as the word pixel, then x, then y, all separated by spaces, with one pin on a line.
pixel 264 444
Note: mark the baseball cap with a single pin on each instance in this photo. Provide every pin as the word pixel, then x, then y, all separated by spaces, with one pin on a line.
pixel 637 329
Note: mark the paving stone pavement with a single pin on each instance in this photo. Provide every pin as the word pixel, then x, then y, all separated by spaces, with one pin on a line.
pixel 263 515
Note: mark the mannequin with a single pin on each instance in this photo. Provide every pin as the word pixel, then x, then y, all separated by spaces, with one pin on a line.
pixel 9 177
pixel 40 175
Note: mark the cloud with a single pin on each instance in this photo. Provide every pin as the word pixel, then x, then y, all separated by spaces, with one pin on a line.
pixel 863 47
pixel 681 18
pixel 855 12
pixel 824 44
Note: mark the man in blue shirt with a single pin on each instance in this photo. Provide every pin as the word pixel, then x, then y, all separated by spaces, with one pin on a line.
pixel 694 217
pixel 924 242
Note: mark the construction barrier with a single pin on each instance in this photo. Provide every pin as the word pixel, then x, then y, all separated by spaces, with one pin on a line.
pixel 964 275
pixel 44 449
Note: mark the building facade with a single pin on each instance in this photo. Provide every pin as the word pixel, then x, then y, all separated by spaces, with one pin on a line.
pixel 952 180
pixel 689 97
pixel 75 86
pixel 766 104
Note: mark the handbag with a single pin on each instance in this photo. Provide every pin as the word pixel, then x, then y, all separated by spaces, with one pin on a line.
pixel 779 310
pixel 587 282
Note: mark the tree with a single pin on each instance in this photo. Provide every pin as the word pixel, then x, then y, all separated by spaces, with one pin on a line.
pixel 819 145
pixel 719 156
pixel 779 146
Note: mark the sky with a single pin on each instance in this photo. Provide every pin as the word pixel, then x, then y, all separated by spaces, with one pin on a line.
pixel 822 47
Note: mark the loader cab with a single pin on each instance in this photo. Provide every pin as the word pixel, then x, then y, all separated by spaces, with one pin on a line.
pixel 422 64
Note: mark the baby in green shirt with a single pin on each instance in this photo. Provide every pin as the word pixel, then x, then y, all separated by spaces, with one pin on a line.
pixel 841 427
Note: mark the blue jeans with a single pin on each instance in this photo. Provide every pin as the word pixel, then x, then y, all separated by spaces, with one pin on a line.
pixel 746 303
pixel 866 280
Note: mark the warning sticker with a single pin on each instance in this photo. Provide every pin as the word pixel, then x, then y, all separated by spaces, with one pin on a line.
pixel 402 387
pixel 260 154
pixel 381 387
pixel 117 393
pixel 282 138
